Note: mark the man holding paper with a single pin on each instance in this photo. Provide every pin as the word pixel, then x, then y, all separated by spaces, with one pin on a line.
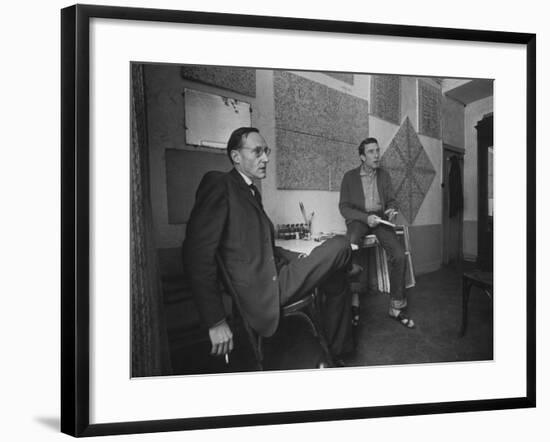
pixel 368 205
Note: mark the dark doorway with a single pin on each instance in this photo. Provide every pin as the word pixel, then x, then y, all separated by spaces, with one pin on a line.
pixel 453 204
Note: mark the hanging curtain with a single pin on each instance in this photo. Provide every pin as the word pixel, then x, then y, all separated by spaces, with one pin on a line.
pixel 150 355
pixel 456 196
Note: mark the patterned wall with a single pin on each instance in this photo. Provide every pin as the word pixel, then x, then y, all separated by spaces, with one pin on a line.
pixel 241 80
pixel 429 109
pixel 410 168
pixel 386 97
pixel 317 132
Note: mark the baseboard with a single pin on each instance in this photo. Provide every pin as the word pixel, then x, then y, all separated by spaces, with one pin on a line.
pixel 426 267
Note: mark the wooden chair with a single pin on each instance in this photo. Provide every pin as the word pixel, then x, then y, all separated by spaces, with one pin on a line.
pixel 382 271
pixel 306 308
pixel 188 337
pixel 482 280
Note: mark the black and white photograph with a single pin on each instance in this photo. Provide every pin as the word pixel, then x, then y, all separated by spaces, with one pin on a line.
pixel 302 220
pixel 276 220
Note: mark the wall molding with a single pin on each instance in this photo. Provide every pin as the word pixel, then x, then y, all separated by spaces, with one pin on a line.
pixel 426 267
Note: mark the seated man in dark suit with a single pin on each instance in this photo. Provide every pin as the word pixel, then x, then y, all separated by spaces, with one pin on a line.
pixel 366 197
pixel 228 218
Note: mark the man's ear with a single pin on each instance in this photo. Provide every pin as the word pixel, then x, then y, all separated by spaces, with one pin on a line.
pixel 363 158
pixel 236 156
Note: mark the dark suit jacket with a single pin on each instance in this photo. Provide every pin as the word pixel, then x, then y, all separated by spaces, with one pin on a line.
pixel 227 219
pixel 352 197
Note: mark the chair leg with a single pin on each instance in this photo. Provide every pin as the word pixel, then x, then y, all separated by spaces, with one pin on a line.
pixel 316 319
pixel 308 317
pixel 312 319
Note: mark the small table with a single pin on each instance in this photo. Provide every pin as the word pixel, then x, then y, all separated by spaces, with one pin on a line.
pixel 482 280
pixel 382 271
pixel 307 245
pixel 298 245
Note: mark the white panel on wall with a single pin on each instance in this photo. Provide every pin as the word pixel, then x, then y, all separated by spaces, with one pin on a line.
pixel 210 119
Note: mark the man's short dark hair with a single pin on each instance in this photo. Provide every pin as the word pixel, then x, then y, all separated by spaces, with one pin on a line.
pixel 236 139
pixel 366 141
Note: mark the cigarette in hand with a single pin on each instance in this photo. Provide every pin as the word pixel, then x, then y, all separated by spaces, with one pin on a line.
pixel 227 358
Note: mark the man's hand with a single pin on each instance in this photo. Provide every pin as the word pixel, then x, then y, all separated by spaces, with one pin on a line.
pixel 221 338
pixel 391 214
pixel 373 220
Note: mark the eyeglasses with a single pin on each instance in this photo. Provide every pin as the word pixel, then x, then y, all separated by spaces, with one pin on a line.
pixel 259 151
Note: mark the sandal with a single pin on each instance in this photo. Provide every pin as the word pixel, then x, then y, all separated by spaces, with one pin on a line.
pixel 403 320
pixel 355 315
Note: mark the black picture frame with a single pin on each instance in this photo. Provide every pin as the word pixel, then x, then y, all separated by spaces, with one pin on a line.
pixel 75 211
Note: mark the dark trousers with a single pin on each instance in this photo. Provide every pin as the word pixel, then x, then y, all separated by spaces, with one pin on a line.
pixel 325 267
pixel 396 256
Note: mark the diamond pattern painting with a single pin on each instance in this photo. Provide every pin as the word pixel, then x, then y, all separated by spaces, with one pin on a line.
pixel 410 168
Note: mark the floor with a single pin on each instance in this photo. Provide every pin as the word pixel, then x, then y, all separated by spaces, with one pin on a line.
pixel 435 304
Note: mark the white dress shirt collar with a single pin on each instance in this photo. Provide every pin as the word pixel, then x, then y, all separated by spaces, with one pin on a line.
pixel 247 180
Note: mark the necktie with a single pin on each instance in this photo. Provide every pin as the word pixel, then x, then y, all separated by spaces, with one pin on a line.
pixel 256 193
